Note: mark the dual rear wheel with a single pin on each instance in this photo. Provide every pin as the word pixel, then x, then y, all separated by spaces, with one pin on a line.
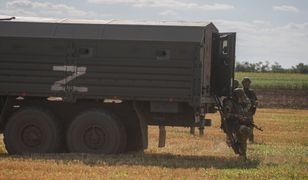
pixel 96 131
pixel 36 130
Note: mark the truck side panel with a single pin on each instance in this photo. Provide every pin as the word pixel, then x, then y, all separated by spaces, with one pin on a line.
pixel 26 65
pixel 133 70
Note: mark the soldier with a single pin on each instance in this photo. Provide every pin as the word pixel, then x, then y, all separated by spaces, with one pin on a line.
pixel 236 84
pixel 253 101
pixel 234 124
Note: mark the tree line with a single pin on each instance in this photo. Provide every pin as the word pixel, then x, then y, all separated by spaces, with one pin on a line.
pixel 246 66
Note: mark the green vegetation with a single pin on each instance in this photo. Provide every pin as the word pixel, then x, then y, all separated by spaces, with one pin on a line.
pixel 267 67
pixel 276 80
pixel 280 152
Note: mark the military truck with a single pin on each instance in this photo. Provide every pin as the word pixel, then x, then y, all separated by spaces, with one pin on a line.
pixel 95 86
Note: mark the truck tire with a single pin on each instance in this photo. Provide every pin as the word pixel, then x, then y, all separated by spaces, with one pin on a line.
pixel 32 130
pixel 96 131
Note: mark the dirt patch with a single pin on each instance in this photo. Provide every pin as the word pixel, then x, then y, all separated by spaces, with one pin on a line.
pixel 282 98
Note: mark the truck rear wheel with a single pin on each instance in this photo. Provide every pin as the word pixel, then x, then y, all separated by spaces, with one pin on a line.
pixel 96 131
pixel 32 130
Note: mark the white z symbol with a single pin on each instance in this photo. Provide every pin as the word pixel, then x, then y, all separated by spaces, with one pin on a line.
pixel 77 71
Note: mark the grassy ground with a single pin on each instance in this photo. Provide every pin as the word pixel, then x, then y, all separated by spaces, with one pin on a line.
pixel 276 80
pixel 281 152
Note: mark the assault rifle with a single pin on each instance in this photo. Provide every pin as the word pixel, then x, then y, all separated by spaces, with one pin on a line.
pixel 251 124
pixel 244 120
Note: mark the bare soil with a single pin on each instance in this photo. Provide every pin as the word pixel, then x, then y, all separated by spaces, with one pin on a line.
pixel 282 98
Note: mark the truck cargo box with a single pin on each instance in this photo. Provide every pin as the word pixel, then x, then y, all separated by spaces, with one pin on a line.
pixel 99 60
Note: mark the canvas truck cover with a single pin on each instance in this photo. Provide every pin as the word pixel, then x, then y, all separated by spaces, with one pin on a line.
pixel 157 61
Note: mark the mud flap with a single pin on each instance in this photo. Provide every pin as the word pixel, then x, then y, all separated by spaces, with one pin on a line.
pixel 143 125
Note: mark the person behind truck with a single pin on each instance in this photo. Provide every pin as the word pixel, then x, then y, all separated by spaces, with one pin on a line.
pixel 246 82
pixel 236 84
pixel 246 104
pixel 235 127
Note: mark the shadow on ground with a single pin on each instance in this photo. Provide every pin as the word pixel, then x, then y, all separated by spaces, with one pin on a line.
pixel 144 159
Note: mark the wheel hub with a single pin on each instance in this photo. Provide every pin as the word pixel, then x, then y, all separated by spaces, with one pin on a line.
pixel 94 137
pixel 31 136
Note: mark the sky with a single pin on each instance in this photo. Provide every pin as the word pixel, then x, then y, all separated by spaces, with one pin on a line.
pixel 267 30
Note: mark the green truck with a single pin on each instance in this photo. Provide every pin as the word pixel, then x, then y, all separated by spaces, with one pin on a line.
pixel 95 86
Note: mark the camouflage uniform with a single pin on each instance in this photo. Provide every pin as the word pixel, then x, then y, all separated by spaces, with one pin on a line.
pixel 234 109
pixel 253 100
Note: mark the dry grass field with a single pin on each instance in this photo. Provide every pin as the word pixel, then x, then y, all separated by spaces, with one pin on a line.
pixel 280 152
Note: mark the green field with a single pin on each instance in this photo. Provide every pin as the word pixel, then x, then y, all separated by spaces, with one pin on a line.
pixel 276 80
pixel 280 152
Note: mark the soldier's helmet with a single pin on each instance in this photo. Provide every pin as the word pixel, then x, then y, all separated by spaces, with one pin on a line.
pixel 236 83
pixel 239 93
pixel 246 79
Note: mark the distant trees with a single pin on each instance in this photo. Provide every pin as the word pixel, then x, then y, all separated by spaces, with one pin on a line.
pixel 301 68
pixel 276 67
pixel 267 67
pixel 252 67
